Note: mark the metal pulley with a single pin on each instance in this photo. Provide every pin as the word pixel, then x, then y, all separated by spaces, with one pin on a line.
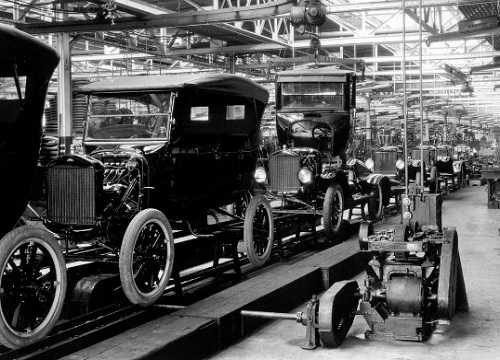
pixel 327 319
pixel 308 13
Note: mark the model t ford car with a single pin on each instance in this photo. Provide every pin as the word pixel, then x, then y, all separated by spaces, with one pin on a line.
pixel 160 152
pixel 310 173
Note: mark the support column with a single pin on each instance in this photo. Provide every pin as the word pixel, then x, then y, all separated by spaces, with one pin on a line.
pixel 64 93
pixel 368 123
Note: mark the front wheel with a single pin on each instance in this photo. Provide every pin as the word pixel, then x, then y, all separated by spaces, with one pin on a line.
pixel 258 231
pixel 376 204
pixel 146 257
pixel 32 285
pixel 333 210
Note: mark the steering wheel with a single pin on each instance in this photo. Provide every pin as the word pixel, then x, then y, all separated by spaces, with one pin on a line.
pixel 323 131
pixel 296 126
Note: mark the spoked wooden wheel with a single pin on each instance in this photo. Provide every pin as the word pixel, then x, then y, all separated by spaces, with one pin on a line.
pixel 333 210
pixel 32 285
pixel 146 257
pixel 258 231
pixel 376 204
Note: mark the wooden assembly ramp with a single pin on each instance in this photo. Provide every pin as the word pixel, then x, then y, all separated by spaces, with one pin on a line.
pixel 215 322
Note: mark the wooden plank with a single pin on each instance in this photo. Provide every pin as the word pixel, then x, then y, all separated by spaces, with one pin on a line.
pixel 428 210
pixel 170 334
pixel 254 288
pixel 448 275
pixel 462 303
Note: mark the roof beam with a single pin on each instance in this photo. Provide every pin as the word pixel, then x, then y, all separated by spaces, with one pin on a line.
pixel 190 18
pixel 396 4
pixel 300 44
pixel 413 15
pixel 433 57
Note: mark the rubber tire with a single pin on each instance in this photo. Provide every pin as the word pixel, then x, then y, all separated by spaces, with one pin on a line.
pixel 376 211
pixel 8 244
pixel 365 230
pixel 125 262
pixel 256 260
pixel 330 229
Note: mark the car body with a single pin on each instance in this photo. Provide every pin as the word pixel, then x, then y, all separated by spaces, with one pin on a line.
pixel 194 139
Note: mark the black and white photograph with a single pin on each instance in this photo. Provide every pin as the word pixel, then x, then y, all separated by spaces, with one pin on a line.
pixel 249 179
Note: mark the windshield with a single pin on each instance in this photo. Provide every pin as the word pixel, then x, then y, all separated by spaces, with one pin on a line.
pixel 129 117
pixel 315 95
pixel 442 152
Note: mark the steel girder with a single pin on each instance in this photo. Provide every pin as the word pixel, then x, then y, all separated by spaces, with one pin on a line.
pixel 190 18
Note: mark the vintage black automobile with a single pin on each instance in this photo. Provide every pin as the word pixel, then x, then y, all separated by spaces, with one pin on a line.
pixel 310 173
pixel 450 167
pixel 389 161
pixel 159 153
pixel 32 268
pixel 442 172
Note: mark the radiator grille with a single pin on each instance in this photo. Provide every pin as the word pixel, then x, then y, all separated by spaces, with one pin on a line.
pixel 71 195
pixel 385 161
pixel 283 169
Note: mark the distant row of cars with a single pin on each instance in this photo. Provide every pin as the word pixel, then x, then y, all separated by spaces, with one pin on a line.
pixel 441 171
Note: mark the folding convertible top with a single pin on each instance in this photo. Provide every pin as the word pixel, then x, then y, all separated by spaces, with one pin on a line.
pixel 217 83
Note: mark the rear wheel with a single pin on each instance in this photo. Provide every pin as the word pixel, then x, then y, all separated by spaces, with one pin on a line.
pixel 32 285
pixel 146 257
pixel 333 210
pixel 258 231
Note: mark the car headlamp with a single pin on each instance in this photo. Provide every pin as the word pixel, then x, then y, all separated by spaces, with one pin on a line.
pixel 370 164
pixel 305 175
pixel 260 175
pixel 400 164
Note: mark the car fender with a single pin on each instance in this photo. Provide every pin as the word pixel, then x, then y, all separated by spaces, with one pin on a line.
pixel 338 177
pixel 383 181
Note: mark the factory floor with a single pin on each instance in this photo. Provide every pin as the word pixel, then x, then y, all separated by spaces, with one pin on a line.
pixel 473 335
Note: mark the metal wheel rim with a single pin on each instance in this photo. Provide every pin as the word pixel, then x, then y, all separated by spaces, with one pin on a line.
pixel 379 200
pixel 56 293
pixel 337 212
pixel 162 272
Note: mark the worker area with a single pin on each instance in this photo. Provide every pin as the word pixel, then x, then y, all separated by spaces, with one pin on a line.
pixel 275 179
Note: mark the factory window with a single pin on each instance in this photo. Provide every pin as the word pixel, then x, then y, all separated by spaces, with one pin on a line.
pixel 235 112
pixel 9 88
pixel 199 113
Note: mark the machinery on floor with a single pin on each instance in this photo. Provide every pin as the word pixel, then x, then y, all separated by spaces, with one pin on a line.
pixel 414 280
